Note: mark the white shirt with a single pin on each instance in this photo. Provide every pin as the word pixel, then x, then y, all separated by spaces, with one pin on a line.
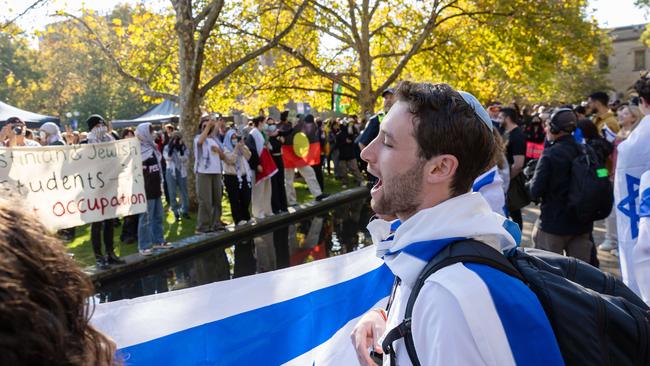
pixel 207 161
pixel 461 315
pixel 176 160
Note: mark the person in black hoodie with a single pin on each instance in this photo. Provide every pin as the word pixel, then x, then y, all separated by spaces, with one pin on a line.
pixel 347 157
pixel 558 229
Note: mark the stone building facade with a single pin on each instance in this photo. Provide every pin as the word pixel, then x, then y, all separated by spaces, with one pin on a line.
pixel 629 56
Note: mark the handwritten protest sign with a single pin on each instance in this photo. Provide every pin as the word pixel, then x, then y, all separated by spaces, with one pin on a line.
pixel 69 186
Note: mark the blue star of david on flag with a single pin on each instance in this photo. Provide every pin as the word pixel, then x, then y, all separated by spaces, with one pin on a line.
pixel 628 205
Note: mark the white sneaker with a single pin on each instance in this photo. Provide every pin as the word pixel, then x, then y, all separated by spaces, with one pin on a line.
pixel 242 222
pixel 608 245
pixel 146 252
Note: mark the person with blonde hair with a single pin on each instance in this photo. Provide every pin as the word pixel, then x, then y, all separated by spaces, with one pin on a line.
pixel 628 116
pixel 44 298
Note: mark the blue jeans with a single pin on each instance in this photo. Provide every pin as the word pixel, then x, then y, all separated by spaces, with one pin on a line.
pixel 174 180
pixel 150 225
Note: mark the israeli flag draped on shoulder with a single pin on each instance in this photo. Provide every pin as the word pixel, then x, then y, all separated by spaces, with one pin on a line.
pixel 465 314
pixel 490 186
pixel 297 316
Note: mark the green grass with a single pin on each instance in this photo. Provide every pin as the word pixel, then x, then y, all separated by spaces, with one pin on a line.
pixel 82 248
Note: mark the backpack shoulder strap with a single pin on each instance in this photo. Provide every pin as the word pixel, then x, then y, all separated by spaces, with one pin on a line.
pixel 463 251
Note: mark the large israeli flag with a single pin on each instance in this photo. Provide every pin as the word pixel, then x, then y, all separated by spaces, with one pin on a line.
pixel 297 316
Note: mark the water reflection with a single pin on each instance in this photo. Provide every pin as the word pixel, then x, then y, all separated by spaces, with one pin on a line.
pixel 338 231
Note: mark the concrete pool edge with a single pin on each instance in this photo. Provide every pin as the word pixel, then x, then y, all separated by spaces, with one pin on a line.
pixel 185 247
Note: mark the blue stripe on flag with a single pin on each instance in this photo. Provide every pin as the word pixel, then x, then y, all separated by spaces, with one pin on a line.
pixel 488 179
pixel 644 203
pixel 513 229
pixel 427 249
pixel 529 332
pixel 270 335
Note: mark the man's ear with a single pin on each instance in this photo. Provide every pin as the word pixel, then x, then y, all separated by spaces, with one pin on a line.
pixel 441 168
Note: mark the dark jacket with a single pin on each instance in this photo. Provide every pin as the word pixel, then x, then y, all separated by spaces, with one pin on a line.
pixel 371 131
pixel 345 143
pixel 152 178
pixel 550 185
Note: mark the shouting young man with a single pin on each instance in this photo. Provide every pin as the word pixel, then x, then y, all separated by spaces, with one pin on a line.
pixel 431 146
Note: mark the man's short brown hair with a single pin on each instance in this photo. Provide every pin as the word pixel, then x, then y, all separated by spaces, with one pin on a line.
pixel 444 123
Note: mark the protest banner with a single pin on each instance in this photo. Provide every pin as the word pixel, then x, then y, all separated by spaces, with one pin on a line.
pixel 300 315
pixel 67 186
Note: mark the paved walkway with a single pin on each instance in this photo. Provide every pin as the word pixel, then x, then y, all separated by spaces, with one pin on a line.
pixel 608 262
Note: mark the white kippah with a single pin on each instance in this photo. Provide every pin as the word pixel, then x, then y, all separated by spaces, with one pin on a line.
pixel 481 113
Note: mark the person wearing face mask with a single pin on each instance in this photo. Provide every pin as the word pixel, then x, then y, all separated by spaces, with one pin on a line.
pixel 263 167
pixel 98 133
pixel 237 176
pixel 51 135
pixel 278 192
pixel 13 134
pixel 150 223
pixel 176 154
pixel 208 168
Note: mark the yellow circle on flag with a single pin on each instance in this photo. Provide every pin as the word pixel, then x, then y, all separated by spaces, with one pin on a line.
pixel 301 145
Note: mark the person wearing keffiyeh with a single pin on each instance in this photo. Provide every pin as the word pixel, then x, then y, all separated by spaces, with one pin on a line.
pixel 99 133
pixel 237 176
pixel 176 155
pixel 150 223
pixel 208 167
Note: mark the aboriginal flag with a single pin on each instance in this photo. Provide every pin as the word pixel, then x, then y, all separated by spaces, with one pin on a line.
pixel 303 148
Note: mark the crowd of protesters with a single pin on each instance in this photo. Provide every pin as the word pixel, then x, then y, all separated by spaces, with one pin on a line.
pixel 252 163
pixel 245 160
pixel 540 144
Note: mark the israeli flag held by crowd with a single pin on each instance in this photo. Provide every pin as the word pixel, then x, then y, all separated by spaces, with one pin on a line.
pixel 301 315
pixel 633 160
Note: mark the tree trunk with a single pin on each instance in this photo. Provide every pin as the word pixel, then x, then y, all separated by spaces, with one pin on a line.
pixel 189 98
pixel 190 114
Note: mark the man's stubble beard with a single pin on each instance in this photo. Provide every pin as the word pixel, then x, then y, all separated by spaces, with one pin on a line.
pixel 402 194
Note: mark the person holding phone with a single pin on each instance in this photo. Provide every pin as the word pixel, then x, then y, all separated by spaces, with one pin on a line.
pixel 13 134
pixel 208 167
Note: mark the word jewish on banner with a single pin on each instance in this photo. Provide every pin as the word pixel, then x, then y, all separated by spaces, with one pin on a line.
pixel 68 186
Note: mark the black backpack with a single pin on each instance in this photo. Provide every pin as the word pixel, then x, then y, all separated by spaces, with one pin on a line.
pixel 597 320
pixel 591 195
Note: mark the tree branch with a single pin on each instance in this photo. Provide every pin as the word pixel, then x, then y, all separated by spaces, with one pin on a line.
pixel 344 39
pixel 212 15
pixel 318 90
pixel 230 68
pixel 310 65
pixel 34 4
pixel 374 9
pixel 329 10
pixel 116 63
pixel 426 32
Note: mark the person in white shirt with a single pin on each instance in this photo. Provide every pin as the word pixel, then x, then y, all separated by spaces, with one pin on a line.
pixel 208 168
pixel 431 146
